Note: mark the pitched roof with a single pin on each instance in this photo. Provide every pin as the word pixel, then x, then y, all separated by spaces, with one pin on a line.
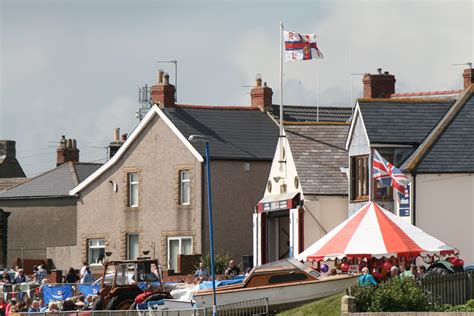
pixel 54 183
pixel 401 121
pixel 450 146
pixel 319 153
pixel 301 113
pixel 6 183
pixel 234 132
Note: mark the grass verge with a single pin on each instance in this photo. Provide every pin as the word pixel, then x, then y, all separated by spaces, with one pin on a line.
pixel 328 306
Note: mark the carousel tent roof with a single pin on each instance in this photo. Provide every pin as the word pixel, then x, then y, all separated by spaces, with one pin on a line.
pixel 374 232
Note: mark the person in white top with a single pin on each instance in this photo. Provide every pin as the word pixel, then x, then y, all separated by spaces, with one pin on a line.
pixel 83 269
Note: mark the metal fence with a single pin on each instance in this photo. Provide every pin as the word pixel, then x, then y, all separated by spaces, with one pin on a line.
pixel 245 308
pixel 454 288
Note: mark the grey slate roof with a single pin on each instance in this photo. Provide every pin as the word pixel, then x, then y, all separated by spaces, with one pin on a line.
pixel 53 183
pixel 453 151
pixel 401 122
pixel 240 134
pixel 319 153
pixel 301 113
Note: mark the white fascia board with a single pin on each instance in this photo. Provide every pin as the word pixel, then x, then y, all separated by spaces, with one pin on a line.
pixel 365 131
pixel 151 113
pixel 351 129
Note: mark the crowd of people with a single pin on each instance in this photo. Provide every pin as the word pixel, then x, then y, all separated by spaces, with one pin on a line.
pixel 380 275
pixel 26 305
pixel 33 302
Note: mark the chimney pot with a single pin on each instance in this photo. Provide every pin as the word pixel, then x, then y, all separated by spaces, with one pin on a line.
pixel 166 78
pixel 160 76
pixel 379 70
pixel 116 134
pixel 67 151
pixel 385 72
pixel 124 136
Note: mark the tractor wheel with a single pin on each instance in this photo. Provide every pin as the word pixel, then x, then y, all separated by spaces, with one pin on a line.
pixel 97 305
pixel 123 301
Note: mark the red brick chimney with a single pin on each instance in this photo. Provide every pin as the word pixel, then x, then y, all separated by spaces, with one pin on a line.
pixel 66 151
pixel 468 76
pixel 381 85
pixel 163 92
pixel 261 96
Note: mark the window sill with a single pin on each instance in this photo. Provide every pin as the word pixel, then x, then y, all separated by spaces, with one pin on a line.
pixel 360 200
pixel 133 208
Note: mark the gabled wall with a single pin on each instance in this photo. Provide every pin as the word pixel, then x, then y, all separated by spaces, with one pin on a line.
pixel 445 209
pixel 358 145
pixel 157 155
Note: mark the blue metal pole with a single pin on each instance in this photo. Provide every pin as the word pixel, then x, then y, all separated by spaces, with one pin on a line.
pixel 211 229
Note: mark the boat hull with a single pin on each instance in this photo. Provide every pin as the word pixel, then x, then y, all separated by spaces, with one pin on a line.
pixel 285 295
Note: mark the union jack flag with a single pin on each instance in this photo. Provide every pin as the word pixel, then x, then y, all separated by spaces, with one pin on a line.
pixel 301 47
pixel 389 175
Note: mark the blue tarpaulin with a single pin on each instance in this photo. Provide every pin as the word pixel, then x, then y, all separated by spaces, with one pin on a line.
pixel 57 292
pixel 88 289
pixel 143 284
pixel 208 284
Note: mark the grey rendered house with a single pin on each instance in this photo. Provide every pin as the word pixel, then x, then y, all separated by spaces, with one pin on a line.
pixel 42 214
pixel 306 192
pixel 11 174
pixel 151 196
pixel 429 136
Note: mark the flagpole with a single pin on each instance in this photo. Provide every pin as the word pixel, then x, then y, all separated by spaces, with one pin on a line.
pixel 281 79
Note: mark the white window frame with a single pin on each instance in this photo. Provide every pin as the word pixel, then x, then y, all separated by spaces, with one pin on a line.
pixel 128 245
pixel 182 182
pixel 89 248
pixel 130 185
pixel 180 238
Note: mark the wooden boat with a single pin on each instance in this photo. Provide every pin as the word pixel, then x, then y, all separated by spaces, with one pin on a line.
pixel 285 283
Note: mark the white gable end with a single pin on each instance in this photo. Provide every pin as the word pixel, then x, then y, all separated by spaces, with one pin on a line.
pixel 283 173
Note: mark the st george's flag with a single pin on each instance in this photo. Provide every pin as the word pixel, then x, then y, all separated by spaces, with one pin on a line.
pixel 301 46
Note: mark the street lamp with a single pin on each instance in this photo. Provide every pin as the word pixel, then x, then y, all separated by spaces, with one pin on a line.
pixel 203 139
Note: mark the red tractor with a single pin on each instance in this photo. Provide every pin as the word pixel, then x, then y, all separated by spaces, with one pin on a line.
pixel 127 283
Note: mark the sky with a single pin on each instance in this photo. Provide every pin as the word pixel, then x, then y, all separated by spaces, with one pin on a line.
pixel 73 67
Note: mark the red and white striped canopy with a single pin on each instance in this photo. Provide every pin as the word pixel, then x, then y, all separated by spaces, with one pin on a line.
pixel 374 232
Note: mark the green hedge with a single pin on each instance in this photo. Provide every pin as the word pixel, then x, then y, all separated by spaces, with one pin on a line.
pixel 397 295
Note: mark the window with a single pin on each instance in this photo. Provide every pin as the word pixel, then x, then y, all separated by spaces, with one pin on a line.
pixel 184 187
pixel 96 251
pixel 178 246
pixel 132 246
pixel 133 189
pixel 360 178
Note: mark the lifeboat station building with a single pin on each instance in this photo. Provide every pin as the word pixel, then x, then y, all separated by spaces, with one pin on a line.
pixel 306 192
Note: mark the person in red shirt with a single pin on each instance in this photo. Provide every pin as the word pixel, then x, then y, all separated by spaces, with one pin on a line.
pixel 3 306
pixel 10 305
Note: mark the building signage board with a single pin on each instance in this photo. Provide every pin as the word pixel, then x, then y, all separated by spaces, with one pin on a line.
pixel 275 206
pixel 404 204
